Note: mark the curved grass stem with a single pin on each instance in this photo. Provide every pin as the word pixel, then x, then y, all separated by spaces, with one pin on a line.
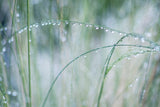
pixel 54 81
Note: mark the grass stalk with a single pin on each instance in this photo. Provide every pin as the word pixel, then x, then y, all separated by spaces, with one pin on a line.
pixel 29 68
pixel 54 81
pixel 106 69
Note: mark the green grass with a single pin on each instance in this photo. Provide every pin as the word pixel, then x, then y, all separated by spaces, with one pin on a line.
pixel 79 53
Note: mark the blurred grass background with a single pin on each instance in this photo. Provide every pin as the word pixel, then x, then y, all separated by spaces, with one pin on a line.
pixel 134 81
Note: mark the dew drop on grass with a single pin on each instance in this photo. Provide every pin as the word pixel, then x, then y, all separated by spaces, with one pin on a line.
pixel 59 23
pixel 4 97
pixel 5 63
pixel 120 34
pixel 80 24
pixel 54 24
pixel 30 26
pixel 17 15
pixel 137 79
pixel 148 34
pixel 136 38
pixel 49 23
pixel 90 25
pixel 66 22
pixel 30 40
pixel 46 24
pixel 87 25
pixel 37 25
pixel 142 40
pixel 25 28
pixel 11 40
pixel 112 32
pixel 85 56
pixel 157 48
pixel 14 93
pixel 130 85
pixel 101 27
pixel 63 38
pixel 4 102
pixel 9 92
pixel 128 58
pixel 106 30
pixel 97 28
pixel 136 55
pixel 4 49
pixel 5 28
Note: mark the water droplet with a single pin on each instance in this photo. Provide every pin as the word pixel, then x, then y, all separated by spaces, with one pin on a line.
pixel 101 27
pixel 4 102
pixel 49 23
pixel 25 28
pixel 54 24
pixel 97 28
pixel 17 15
pixel 128 58
pixel 90 25
pixel 30 26
pixel 96 51
pixel 136 55
pixel 148 34
pixel 63 38
pixel 80 24
pixel 4 97
pixel 136 38
pixel 137 79
pixel 157 48
pixel 46 24
pixel 106 30
pixel 5 28
pixel 34 25
pixel 42 24
pixel 11 40
pixel 4 49
pixel 67 22
pixel 5 63
pixel 87 25
pixel 9 92
pixel 112 32
pixel 142 40
pixel 130 85
pixel 14 93
pixel 120 33
pixel 59 23
pixel 73 24
pixel 85 56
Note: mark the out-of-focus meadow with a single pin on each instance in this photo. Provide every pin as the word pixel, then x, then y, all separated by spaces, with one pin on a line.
pixel 79 53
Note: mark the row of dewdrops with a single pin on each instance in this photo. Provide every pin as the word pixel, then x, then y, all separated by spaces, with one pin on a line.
pixel 73 23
